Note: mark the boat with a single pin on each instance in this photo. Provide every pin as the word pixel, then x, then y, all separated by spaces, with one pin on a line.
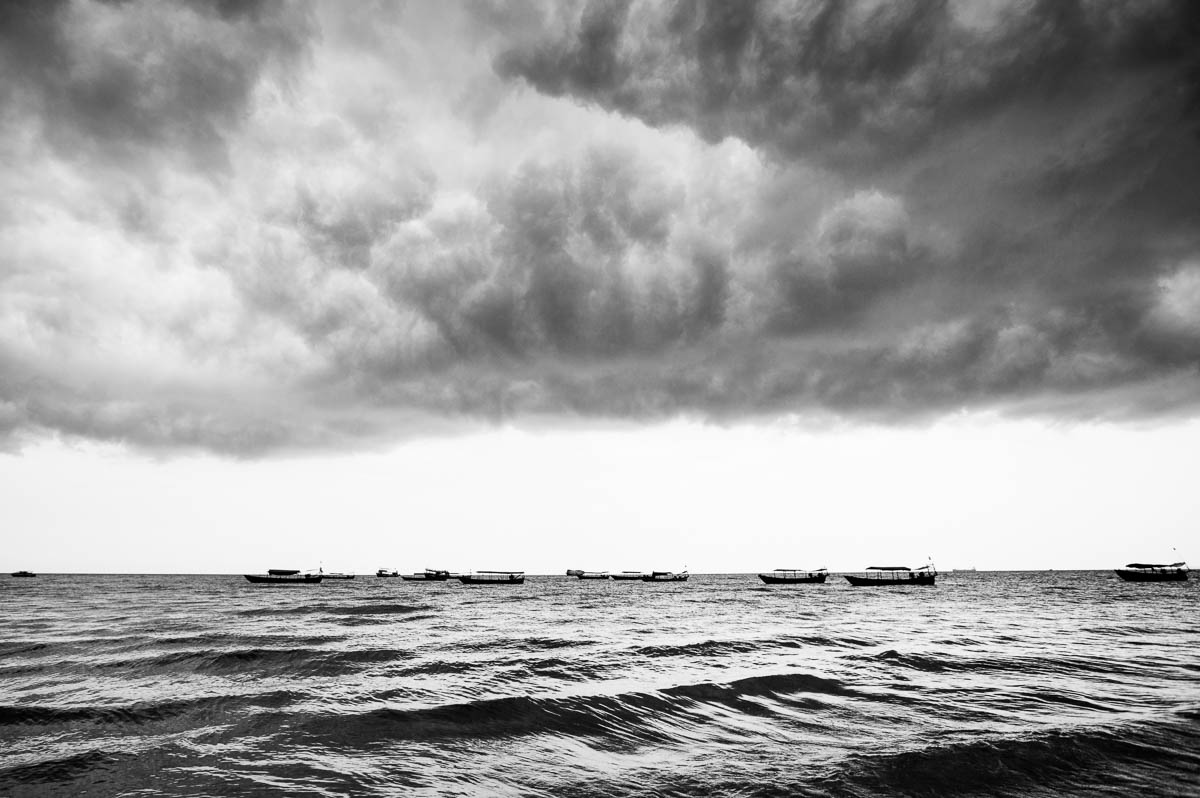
pixel 665 576
pixel 1153 572
pixel 336 575
pixel 879 575
pixel 793 576
pixel 628 576
pixel 386 572
pixel 493 578
pixel 428 575
pixel 574 571
pixel 25 574
pixel 279 576
pixel 592 575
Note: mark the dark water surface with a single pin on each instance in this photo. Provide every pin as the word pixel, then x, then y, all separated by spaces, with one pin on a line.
pixel 1063 683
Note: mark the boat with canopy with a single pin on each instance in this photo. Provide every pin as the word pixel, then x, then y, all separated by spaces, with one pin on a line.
pixel 880 575
pixel 1154 572
pixel 794 576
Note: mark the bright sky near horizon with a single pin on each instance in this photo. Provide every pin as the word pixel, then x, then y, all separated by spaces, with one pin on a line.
pixel 613 284
pixel 966 492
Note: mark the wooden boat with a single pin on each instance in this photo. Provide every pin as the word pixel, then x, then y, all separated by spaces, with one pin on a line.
pixel 493 578
pixel 574 571
pixel 592 575
pixel 24 574
pixel 337 575
pixel 792 576
pixel 879 575
pixel 428 575
pixel 665 576
pixel 1153 572
pixel 628 576
pixel 386 572
pixel 291 578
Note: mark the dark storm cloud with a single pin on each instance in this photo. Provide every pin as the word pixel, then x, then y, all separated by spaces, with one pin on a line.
pixel 245 227
pixel 111 80
pixel 855 84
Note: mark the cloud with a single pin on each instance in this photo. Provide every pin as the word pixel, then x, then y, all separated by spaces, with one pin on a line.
pixel 249 227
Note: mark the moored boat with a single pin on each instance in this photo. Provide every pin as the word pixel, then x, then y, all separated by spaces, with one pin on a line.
pixel 493 578
pixel 24 574
pixel 880 575
pixel 385 572
pixel 592 575
pixel 793 576
pixel 1153 572
pixel 428 575
pixel 277 576
pixel 336 575
pixel 627 576
pixel 665 576
pixel 574 571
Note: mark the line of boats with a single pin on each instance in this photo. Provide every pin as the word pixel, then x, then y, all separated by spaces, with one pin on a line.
pixel 874 576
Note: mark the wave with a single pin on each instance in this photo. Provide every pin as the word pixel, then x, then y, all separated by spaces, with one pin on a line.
pixel 263 661
pixel 708 648
pixel 1056 666
pixel 138 713
pixel 62 769
pixel 641 717
pixel 525 643
pixel 335 609
pixel 1148 758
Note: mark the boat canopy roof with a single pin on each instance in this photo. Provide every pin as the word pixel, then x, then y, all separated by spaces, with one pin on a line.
pixel 1154 565
pixel 888 568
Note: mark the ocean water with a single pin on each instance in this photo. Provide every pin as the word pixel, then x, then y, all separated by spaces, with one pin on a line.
pixel 1021 684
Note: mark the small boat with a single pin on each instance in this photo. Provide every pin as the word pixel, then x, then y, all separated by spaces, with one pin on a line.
pixel 278 576
pixel 428 575
pixel 592 575
pixel 25 574
pixel 337 575
pixel 628 576
pixel 386 572
pixel 574 571
pixel 493 578
pixel 1154 572
pixel 879 575
pixel 792 576
pixel 665 576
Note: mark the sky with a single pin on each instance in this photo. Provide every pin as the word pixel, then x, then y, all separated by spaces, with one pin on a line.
pixel 605 284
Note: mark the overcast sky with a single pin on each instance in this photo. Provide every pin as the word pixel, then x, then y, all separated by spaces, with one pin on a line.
pixel 535 271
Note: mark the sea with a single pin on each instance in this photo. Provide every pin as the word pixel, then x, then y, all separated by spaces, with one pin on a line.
pixel 1062 683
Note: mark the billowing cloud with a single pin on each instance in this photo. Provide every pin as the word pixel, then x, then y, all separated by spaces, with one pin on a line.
pixel 246 227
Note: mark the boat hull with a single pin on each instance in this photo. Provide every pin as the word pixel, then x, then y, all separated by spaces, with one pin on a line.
pixel 267 579
pixel 428 576
pixel 24 574
pixel 1145 576
pixel 875 581
pixel 591 576
pixel 489 579
pixel 657 578
pixel 812 579
pixel 626 577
